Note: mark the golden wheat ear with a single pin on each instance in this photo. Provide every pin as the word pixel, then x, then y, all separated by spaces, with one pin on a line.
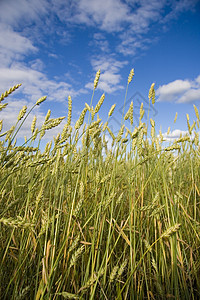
pixel 10 91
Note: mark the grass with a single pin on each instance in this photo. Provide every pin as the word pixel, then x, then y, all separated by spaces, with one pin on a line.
pixel 95 222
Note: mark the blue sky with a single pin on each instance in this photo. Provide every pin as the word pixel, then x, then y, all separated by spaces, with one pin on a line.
pixel 55 48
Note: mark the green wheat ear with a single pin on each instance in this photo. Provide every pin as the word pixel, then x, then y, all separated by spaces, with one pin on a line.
pixel 171 231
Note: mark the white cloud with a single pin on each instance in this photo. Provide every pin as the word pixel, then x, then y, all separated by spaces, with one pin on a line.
pixel 123 18
pixel 37 64
pixel 175 134
pixel 15 12
pixel 198 80
pixel 167 92
pixel 35 84
pixel 53 55
pixel 178 7
pixel 108 15
pixel 180 91
pixel 100 42
pixel 190 96
pixel 110 78
pixel 14 46
pixel 132 18
pixel 131 44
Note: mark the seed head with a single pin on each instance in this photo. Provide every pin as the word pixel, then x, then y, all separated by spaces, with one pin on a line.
pixel 48 115
pixel 152 93
pixel 33 124
pixel 42 99
pixel 81 119
pixel 196 112
pixel 111 110
pixel 96 79
pixel 69 110
pixel 1 125
pixel 98 106
pixel 175 117
pixel 130 77
pixel 2 106
pixel 22 113
pixel 4 95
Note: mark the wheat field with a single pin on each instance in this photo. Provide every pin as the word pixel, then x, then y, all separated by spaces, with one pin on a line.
pixel 85 220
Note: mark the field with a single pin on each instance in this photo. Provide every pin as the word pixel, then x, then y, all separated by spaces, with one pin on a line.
pixel 85 220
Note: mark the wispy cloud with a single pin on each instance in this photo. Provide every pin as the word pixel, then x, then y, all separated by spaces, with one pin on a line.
pixel 100 42
pixel 15 13
pixel 108 15
pixel 35 84
pixel 130 20
pixel 14 46
pixel 110 77
pixel 180 91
